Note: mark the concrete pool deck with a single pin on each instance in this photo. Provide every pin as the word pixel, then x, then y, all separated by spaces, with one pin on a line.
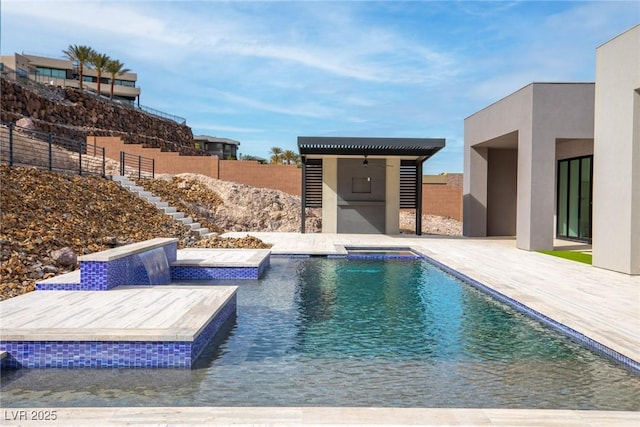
pixel 600 304
pixel 310 416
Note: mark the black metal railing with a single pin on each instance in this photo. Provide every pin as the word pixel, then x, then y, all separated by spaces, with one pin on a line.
pixel 162 114
pixel 27 147
pixel 135 166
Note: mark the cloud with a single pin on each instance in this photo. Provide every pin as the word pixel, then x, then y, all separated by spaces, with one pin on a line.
pixel 223 128
pixel 484 10
pixel 305 109
pixel 556 46
pixel 122 19
pixel 164 32
pixel 264 71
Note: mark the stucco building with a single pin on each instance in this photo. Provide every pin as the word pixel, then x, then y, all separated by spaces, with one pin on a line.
pixel 224 148
pixel 562 160
pixel 64 73
pixel 362 183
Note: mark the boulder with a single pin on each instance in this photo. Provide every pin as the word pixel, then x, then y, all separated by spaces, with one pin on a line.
pixel 65 257
pixel 25 123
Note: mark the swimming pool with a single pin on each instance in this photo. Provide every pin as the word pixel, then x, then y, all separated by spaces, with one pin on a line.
pixel 338 332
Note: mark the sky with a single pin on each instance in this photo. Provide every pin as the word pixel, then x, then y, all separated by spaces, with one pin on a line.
pixel 266 72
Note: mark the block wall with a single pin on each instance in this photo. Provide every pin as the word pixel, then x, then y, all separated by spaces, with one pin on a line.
pixel 444 199
pixel 287 178
pixel 165 161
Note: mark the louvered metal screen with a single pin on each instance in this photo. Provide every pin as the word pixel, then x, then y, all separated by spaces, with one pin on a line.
pixel 408 185
pixel 313 183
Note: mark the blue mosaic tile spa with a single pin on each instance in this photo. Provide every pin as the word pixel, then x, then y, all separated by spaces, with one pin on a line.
pixel 143 263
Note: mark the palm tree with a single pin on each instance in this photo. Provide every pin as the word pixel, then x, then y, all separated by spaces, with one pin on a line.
pixel 99 62
pixel 290 156
pixel 81 55
pixel 276 155
pixel 115 67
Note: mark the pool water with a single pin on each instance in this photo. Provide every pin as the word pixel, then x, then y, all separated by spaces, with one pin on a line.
pixel 338 332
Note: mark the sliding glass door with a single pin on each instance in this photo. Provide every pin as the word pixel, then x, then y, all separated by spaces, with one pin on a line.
pixel 574 198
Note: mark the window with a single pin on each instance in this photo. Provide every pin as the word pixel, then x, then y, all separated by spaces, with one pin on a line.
pixel 127 83
pixel 51 72
pixel 574 198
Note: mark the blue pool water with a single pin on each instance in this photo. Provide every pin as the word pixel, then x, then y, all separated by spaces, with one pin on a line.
pixel 338 332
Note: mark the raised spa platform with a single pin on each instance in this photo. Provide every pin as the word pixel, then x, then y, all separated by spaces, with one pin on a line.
pixel 126 327
pixel 129 265
pixel 207 264
pixel 124 265
pixel 124 309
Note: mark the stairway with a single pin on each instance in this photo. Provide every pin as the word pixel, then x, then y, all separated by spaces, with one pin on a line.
pixel 161 205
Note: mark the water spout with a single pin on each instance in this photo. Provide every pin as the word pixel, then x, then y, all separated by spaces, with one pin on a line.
pixel 157 266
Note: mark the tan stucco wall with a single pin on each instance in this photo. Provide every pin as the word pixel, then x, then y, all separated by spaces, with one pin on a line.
pixel 570 148
pixel 392 197
pixel 530 120
pixel 330 195
pixel 616 206
pixel 502 178
pixel 501 125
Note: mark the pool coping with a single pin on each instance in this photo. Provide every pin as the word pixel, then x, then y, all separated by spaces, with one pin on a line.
pixel 187 323
pixel 559 327
pixel 128 250
pixel 163 326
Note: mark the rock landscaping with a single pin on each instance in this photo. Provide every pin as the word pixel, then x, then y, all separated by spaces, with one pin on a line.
pixel 70 113
pixel 48 219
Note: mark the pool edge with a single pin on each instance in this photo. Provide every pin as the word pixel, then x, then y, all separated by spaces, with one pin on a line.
pixel 593 345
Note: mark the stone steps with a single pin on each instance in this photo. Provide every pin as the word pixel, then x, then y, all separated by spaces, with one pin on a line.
pixel 124 182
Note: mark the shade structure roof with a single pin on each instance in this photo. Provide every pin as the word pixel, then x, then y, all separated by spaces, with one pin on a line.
pixel 420 148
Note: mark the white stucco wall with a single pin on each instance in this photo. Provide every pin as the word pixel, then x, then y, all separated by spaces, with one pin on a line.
pixel 616 205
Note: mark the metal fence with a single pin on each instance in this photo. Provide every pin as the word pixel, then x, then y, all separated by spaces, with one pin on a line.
pixel 26 147
pixel 136 166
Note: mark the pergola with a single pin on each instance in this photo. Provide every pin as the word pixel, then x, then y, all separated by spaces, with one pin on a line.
pixel 359 182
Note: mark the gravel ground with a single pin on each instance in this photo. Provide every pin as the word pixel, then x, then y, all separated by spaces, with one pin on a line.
pixel 431 224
